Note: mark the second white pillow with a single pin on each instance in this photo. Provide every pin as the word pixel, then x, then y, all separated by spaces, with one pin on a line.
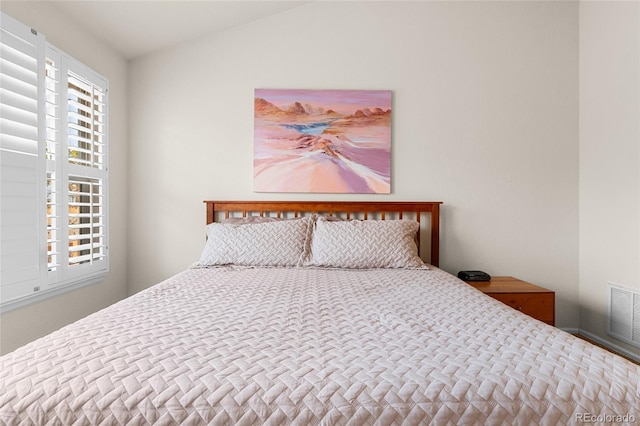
pixel 365 244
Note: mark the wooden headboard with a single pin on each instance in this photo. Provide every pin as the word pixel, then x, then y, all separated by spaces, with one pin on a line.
pixel 219 210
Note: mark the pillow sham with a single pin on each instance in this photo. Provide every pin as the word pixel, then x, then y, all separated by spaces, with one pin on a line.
pixel 365 244
pixel 277 243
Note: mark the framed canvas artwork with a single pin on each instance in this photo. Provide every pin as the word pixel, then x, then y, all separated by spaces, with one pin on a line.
pixel 322 141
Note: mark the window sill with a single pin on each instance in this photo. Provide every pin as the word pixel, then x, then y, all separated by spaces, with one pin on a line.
pixel 52 292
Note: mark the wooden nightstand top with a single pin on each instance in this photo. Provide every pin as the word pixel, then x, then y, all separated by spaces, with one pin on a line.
pixel 507 285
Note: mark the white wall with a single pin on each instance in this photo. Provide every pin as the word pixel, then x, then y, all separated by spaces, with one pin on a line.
pixel 486 109
pixel 485 118
pixel 609 157
pixel 23 325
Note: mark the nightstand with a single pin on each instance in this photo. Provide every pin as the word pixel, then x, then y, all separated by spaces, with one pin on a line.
pixel 531 299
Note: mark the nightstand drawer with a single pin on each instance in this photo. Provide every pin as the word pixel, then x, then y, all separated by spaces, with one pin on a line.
pixel 528 298
pixel 537 305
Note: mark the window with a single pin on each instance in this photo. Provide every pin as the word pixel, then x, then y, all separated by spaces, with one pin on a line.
pixel 53 182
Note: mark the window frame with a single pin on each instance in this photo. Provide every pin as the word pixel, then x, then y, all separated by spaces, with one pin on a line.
pixel 53 132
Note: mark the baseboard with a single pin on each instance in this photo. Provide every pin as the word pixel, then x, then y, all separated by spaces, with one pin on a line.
pixel 606 343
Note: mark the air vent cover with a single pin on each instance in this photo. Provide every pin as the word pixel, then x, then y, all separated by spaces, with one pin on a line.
pixel 624 315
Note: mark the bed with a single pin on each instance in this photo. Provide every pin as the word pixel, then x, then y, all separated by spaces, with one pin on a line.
pixel 315 313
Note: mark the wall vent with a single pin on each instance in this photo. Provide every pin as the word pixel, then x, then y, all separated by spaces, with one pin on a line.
pixel 624 314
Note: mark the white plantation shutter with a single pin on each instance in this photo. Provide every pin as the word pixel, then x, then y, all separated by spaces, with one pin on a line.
pixel 86 220
pixel 53 135
pixel 53 176
pixel 86 121
pixel 85 171
pixel 22 168
pixel 76 171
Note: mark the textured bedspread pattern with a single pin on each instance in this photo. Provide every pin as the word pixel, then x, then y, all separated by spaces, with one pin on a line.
pixel 304 346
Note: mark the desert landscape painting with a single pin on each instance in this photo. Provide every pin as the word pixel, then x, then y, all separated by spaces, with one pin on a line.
pixel 322 141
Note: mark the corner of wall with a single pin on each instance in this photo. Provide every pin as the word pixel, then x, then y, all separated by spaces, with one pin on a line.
pixel 609 183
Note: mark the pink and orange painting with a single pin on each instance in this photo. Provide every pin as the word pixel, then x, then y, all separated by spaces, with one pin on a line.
pixel 322 141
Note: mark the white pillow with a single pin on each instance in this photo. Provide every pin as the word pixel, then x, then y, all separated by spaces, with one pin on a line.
pixel 278 243
pixel 365 244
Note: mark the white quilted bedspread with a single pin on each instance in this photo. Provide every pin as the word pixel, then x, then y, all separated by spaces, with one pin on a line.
pixel 311 346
